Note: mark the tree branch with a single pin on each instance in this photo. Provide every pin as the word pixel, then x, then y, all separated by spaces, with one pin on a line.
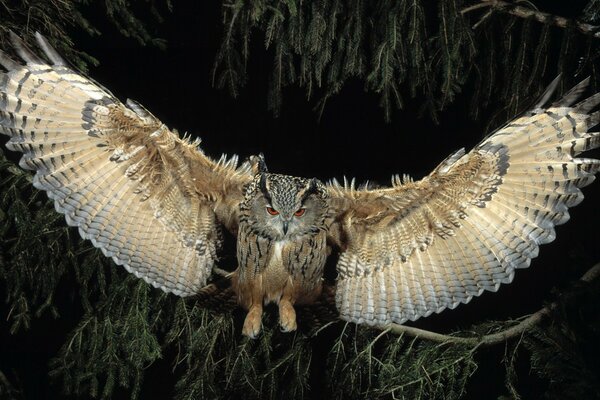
pixel 494 338
pixel 540 16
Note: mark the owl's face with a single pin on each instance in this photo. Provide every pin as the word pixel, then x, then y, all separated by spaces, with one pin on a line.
pixel 281 207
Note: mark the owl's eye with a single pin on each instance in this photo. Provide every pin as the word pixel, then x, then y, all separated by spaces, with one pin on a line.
pixel 300 212
pixel 272 211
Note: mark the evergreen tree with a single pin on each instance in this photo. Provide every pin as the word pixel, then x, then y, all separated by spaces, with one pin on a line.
pixel 114 335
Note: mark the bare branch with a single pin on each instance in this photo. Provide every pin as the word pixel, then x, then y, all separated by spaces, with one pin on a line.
pixel 540 16
pixel 494 338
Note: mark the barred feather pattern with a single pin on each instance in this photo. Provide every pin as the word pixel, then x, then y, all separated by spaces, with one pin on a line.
pixel 421 247
pixel 148 199
pixel 156 204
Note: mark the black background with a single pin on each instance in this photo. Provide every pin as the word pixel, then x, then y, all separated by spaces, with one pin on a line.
pixel 351 140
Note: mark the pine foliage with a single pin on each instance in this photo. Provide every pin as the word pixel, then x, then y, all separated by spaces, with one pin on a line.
pixel 565 352
pixel 56 19
pixel 7 389
pixel 427 50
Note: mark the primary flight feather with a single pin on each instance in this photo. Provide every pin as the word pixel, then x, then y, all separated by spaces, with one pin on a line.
pixel 158 206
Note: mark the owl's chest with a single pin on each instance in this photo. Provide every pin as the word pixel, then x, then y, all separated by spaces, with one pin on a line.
pixel 275 256
pixel 274 264
pixel 273 269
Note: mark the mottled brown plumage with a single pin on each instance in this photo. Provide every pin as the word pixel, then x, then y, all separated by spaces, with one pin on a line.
pixel 277 264
pixel 158 206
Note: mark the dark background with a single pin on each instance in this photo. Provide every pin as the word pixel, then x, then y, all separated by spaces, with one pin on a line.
pixel 350 140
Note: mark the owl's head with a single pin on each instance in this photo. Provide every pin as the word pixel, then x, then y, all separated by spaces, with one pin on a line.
pixel 281 206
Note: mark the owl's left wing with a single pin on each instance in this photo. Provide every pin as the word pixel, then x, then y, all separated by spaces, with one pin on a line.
pixel 421 247
pixel 148 199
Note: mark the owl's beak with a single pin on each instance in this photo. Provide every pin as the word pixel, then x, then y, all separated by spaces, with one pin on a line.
pixel 285 227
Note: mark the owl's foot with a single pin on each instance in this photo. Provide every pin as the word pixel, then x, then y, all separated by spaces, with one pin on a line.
pixel 253 321
pixel 287 316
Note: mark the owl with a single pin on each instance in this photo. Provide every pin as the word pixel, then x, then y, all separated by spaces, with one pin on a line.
pixel 161 208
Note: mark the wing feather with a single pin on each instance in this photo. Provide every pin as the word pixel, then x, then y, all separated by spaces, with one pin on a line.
pixel 148 199
pixel 421 247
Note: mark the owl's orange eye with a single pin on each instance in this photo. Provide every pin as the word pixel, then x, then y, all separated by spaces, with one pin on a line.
pixel 272 211
pixel 300 212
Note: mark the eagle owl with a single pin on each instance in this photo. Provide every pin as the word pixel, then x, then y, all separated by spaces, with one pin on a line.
pixel 160 207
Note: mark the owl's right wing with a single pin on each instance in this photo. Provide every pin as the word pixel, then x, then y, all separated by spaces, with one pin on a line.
pixel 421 247
pixel 148 199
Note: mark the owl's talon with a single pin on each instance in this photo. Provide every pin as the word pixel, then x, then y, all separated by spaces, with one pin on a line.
pixel 253 321
pixel 287 316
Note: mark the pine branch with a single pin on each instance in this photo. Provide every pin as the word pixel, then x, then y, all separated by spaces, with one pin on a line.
pixel 56 18
pixel 420 49
pixel 540 16
pixel 494 338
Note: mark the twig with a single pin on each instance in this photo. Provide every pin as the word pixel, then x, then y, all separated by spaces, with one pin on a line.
pixel 485 16
pixel 494 338
pixel 474 7
pixel 524 12
pixel 222 272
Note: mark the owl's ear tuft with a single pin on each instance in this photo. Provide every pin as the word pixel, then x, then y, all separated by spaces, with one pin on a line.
pixel 258 164
pixel 312 186
pixel 311 189
pixel 262 184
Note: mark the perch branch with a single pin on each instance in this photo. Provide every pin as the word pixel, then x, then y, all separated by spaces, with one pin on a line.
pixel 494 338
pixel 540 16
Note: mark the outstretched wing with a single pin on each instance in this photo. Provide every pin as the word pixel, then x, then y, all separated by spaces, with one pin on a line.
pixel 422 247
pixel 148 199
